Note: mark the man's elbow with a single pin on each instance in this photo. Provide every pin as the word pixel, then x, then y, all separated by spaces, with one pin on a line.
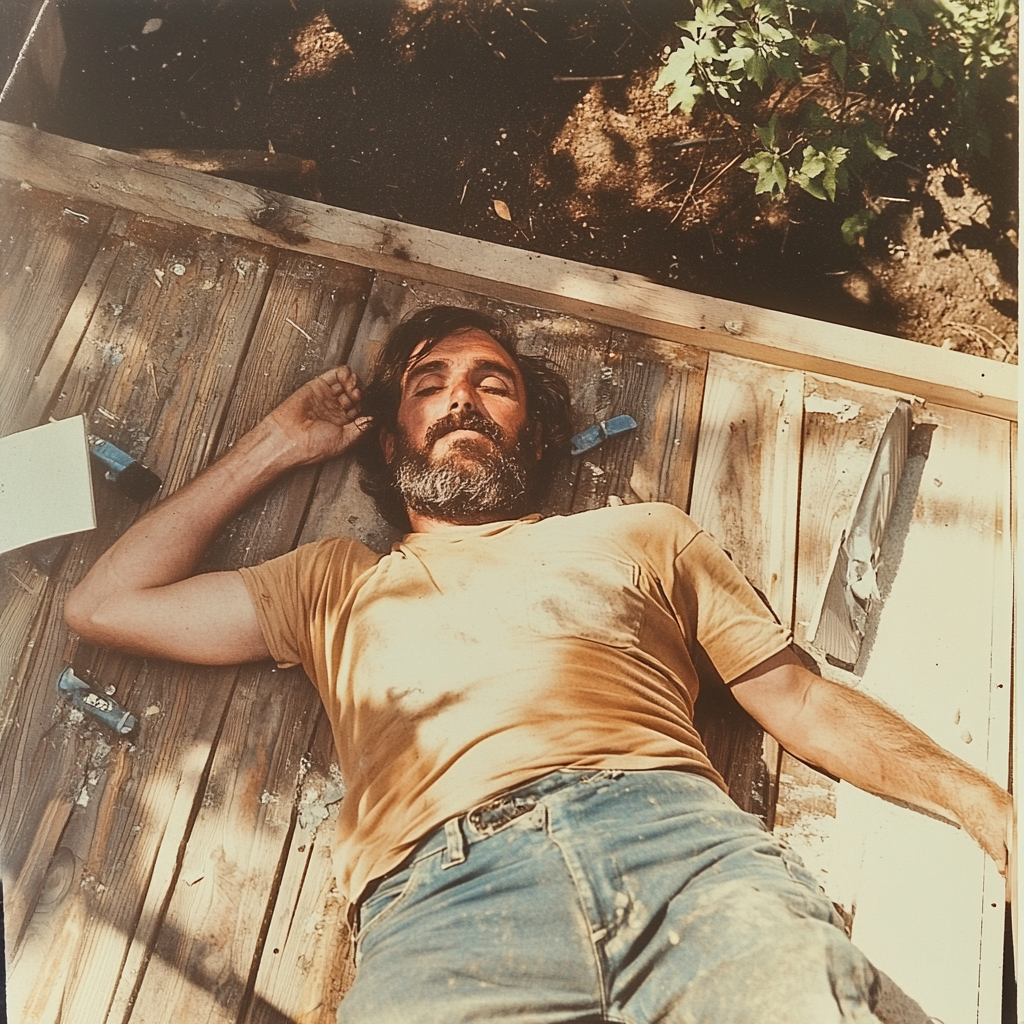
pixel 82 613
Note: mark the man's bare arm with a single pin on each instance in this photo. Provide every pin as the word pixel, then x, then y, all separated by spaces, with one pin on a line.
pixel 860 740
pixel 141 595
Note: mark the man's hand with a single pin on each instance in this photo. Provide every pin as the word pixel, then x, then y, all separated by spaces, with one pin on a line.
pixel 321 419
pixel 141 595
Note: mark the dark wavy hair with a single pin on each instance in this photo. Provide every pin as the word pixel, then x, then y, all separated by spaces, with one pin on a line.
pixel 547 400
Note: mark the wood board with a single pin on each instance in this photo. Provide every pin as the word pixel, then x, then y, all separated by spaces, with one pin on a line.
pixel 46 250
pixel 926 903
pixel 745 493
pixel 843 424
pixel 614 298
pixel 224 893
pixel 67 923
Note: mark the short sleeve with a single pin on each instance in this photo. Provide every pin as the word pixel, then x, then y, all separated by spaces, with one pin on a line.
pixel 288 593
pixel 734 626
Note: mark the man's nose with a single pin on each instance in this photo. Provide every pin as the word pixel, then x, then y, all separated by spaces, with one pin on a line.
pixel 462 397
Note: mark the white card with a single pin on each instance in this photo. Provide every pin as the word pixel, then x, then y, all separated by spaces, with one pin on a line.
pixel 45 483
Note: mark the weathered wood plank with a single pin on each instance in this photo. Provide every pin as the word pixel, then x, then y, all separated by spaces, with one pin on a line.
pixel 43 390
pixel 747 474
pixel 210 934
pixel 306 964
pixel 842 427
pixel 745 493
pixel 667 444
pixel 46 250
pixel 927 903
pixel 72 798
pixel 615 298
pixel 660 385
pixel 203 960
pixel 308 324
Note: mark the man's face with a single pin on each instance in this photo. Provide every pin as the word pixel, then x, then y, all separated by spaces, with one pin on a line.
pixel 464 449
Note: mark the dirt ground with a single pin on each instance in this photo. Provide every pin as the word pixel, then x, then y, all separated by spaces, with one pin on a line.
pixel 533 123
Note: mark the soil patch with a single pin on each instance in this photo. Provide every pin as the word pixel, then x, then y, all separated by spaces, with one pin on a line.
pixel 440 112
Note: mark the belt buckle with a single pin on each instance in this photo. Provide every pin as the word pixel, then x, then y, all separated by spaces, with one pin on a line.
pixel 494 815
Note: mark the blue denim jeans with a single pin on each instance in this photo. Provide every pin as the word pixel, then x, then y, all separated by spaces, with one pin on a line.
pixel 590 896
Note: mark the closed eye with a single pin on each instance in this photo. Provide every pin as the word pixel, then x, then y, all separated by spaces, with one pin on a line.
pixel 494 386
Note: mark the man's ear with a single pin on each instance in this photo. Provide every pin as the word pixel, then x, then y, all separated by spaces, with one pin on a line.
pixel 387 444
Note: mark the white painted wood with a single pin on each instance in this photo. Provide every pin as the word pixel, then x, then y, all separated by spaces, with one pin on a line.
pixel 928 906
pixel 612 297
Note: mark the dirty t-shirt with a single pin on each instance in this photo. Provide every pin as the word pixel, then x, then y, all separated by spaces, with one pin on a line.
pixel 474 659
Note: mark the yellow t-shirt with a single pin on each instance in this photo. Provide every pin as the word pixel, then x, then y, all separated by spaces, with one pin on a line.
pixel 477 658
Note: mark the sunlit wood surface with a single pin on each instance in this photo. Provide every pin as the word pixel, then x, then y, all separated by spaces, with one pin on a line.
pixel 183 874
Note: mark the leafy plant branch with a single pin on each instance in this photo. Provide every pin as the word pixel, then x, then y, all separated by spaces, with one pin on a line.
pixel 870 61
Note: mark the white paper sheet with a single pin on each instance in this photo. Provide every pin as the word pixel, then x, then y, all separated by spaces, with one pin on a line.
pixel 45 483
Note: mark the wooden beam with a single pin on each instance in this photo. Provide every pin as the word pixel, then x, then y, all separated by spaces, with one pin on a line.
pixel 615 298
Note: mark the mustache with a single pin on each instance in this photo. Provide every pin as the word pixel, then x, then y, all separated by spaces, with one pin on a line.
pixel 468 420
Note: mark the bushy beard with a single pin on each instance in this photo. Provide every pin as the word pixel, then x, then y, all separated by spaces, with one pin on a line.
pixel 474 481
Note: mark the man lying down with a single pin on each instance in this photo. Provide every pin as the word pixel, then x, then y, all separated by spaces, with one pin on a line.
pixel 532 829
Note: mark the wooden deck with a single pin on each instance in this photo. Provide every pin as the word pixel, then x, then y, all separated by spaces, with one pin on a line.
pixel 183 874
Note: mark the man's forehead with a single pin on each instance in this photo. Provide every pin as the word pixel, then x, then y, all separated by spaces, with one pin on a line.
pixel 471 344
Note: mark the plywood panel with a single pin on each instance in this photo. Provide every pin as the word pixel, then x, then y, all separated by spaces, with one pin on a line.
pixel 46 249
pixel 745 493
pixel 927 903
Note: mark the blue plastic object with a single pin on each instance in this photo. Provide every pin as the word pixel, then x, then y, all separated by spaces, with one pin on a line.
pixel 596 434
pixel 131 477
pixel 81 695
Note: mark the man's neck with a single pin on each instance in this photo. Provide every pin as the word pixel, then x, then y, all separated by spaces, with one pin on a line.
pixel 425 524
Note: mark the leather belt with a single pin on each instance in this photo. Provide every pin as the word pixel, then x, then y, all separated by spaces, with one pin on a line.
pixel 494 815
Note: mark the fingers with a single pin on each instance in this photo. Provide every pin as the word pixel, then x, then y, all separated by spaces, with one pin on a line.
pixel 345 392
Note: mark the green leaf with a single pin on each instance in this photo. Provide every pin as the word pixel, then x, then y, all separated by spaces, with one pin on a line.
pixel 878 147
pixel 785 68
pixel 864 31
pixel 770 171
pixel 757 71
pixel 810 185
pixel 854 228
pixel 822 44
pixel 768 132
pixel 818 173
pixel 839 61
pixel 883 52
pixel 677 73
pixel 833 158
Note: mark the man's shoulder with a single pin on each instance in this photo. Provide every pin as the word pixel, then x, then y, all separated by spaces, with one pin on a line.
pixel 326 557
